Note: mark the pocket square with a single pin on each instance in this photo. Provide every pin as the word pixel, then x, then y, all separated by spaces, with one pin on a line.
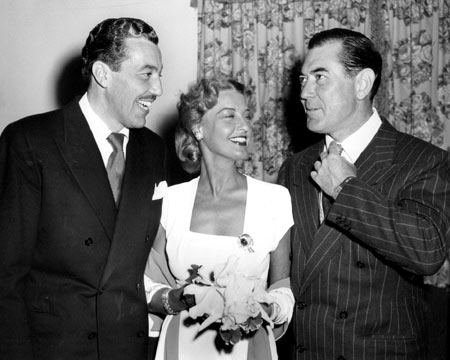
pixel 160 190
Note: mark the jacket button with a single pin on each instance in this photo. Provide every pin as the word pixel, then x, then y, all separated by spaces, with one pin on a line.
pixel 301 349
pixel 141 334
pixel 92 335
pixel 138 286
pixel 346 225
pixel 343 315
pixel 301 305
pixel 147 238
pixel 88 242
pixel 360 264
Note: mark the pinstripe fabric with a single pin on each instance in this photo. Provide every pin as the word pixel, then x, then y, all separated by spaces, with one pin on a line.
pixel 358 277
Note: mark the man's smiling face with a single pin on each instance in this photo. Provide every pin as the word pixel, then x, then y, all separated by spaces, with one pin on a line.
pixel 133 88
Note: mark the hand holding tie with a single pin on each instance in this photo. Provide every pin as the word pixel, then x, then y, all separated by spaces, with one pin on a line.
pixel 332 169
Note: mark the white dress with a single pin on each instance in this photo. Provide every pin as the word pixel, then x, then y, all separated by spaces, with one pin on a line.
pixel 268 216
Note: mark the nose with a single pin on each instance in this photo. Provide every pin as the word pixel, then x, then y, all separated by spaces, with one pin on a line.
pixel 243 123
pixel 156 86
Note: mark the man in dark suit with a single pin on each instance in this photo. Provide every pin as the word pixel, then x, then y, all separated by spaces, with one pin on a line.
pixel 371 208
pixel 78 214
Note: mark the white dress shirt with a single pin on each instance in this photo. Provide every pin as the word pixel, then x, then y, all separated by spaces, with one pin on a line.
pixel 101 131
pixel 353 146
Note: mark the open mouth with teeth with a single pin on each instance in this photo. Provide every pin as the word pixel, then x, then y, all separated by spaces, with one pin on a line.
pixel 146 103
pixel 239 140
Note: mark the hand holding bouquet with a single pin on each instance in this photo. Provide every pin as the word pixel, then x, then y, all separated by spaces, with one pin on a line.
pixel 230 298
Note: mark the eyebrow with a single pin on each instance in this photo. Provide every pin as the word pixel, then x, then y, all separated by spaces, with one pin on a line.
pixel 230 108
pixel 316 70
pixel 150 67
pixel 225 109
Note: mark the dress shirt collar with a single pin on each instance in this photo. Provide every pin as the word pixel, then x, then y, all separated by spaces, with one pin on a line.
pixel 100 130
pixel 355 144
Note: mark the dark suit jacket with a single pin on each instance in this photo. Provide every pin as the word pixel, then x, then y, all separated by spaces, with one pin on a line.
pixel 71 263
pixel 357 277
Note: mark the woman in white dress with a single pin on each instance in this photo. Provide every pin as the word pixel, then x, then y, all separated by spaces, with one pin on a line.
pixel 220 217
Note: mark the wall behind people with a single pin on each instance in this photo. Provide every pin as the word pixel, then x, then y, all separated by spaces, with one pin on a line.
pixel 41 46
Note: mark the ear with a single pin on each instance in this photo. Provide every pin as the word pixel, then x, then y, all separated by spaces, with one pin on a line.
pixel 363 83
pixel 197 132
pixel 100 72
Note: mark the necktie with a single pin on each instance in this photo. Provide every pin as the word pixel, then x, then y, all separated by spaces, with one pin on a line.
pixel 116 164
pixel 325 201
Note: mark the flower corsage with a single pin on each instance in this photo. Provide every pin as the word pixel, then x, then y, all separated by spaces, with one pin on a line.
pixel 229 298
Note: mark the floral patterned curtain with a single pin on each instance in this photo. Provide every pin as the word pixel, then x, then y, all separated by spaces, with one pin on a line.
pixel 416 38
pixel 262 42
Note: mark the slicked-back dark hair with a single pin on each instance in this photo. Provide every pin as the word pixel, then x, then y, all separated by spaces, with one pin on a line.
pixel 358 52
pixel 106 42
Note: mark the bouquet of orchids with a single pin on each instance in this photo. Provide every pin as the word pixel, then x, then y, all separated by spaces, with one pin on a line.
pixel 229 298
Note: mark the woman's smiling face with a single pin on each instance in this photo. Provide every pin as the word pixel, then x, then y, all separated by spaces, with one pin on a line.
pixel 226 127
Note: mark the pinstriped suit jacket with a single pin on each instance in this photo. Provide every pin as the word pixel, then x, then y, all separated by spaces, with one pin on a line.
pixel 357 277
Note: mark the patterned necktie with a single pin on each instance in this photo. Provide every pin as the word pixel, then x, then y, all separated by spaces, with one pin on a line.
pixel 116 164
pixel 325 201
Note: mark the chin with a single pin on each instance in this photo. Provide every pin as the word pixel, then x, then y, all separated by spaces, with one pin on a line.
pixel 138 123
pixel 314 126
pixel 243 157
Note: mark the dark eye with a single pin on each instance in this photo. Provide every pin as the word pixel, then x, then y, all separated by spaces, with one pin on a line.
pixel 320 77
pixel 228 114
pixel 150 73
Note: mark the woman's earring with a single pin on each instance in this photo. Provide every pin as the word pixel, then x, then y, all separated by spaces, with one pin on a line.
pixel 197 134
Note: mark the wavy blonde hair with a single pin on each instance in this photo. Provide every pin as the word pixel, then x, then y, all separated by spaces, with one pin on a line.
pixel 192 106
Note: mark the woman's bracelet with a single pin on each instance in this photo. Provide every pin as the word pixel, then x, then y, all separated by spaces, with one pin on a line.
pixel 165 302
pixel 274 311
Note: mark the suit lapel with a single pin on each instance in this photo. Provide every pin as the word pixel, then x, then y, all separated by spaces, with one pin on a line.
pixel 377 161
pixel 139 178
pixel 134 214
pixel 306 196
pixel 304 193
pixel 81 153
pixel 374 165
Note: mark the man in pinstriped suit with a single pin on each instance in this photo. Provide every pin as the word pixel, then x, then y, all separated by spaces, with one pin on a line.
pixel 372 213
